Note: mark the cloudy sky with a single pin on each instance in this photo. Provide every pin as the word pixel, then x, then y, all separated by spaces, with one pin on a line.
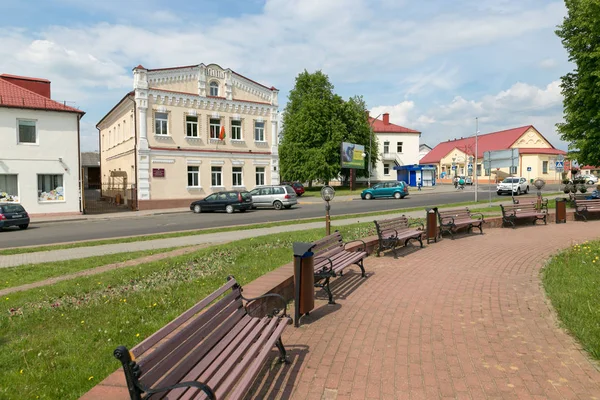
pixel 434 65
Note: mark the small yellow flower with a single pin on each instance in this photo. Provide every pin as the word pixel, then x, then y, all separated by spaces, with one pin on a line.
pixel 154 305
pixel 137 335
pixel 124 300
pixel 83 322
pixel 21 371
pixel 7 298
pixel 90 378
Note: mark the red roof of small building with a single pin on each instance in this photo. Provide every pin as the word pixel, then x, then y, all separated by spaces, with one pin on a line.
pixel 381 127
pixel 25 78
pixel 15 96
pixel 501 140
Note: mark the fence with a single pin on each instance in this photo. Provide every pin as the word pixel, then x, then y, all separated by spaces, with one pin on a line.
pixel 109 198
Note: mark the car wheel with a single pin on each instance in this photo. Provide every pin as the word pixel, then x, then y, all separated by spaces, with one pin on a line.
pixel 499 193
pixel 229 209
pixel 24 226
pixel 590 182
pixel 518 191
pixel 527 190
pixel 277 205
pixel 197 209
pixel 397 195
pixel 368 196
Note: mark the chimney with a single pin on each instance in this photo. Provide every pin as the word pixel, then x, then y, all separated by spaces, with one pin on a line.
pixel 37 85
pixel 386 118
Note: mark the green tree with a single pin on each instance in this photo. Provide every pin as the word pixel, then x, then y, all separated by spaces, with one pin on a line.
pixel 315 123
pixel 580 34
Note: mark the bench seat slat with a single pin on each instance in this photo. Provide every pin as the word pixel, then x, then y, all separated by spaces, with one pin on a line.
pixel 149 342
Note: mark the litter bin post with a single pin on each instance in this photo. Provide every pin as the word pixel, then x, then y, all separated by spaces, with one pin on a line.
pixel 304 296
pixel 561 210
pixel 432 229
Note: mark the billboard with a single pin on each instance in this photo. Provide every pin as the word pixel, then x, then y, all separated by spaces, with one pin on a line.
pixel 501 159
pixel 352 156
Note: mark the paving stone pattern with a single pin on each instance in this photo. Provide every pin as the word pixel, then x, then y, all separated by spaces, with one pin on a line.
pixel 462 319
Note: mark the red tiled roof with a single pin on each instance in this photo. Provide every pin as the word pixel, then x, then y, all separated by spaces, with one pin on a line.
pixel 15 96
pixel 26 78
pixel 501 140
pixel 541 151
pixel 380 127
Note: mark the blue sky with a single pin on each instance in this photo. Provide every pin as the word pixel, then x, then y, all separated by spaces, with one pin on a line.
pixel 433 65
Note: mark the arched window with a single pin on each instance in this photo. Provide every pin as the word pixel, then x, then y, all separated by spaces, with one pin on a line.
pixel 214 88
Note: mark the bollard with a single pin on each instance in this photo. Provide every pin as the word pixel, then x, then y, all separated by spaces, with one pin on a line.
pixel 304 280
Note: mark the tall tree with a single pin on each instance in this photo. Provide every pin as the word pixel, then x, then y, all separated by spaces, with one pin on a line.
pixel 580 34
pixel 358 130
pixel 315 123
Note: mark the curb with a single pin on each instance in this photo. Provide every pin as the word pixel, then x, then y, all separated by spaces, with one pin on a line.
pixel 124 216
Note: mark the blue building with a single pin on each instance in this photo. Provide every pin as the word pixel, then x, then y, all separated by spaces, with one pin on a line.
pixel 412 174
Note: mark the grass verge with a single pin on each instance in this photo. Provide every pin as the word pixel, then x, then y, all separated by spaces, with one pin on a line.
pixel 571 282
pixel 91 243
pixel 23 274
pixel 57 341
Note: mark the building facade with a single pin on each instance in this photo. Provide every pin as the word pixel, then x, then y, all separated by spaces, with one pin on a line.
pixel 397 146
pixel 537 156
pixel 186 132
pixel 39 154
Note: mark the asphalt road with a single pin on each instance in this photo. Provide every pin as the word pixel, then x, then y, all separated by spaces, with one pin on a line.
pixel 60 232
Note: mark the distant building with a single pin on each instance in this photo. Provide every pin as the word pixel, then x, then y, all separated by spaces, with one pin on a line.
pixel 90 165
pixel 39 149
pixel 186 132
pixel 537 156
pixel 423 150
pixel 398 146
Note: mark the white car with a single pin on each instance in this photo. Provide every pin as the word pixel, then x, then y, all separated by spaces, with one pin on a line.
pixel 515 185
pixel 590 179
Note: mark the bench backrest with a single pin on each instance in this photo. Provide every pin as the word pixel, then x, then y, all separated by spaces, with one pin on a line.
pixel 391 225
pixel 518 208
pixel 592 203
pixel 206 323
pixel 329 244
pixel 456 214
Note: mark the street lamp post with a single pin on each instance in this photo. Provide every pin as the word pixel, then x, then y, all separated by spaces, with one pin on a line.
pixel 327 194
pixel 370 144
pixel 476 155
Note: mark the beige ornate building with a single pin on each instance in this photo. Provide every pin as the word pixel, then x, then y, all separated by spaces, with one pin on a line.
pixel 186 132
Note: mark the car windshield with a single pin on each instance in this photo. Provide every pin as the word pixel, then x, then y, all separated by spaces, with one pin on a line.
pixel 12 208
pixel 246 195
pixel 511 180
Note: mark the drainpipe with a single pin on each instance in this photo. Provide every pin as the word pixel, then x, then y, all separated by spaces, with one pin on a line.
pixel 79 162
pixel 135 139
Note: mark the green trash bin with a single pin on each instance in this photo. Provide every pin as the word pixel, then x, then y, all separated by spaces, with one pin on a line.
pixel 531 181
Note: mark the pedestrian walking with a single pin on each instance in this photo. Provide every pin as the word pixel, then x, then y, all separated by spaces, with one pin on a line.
pixel 419 184
pixel 455 182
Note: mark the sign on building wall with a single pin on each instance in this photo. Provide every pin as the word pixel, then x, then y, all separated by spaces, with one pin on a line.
pixel 501 159
pixel 352 156
pixel 158 172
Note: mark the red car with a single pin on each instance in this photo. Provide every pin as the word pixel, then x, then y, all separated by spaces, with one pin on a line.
pixel 298 188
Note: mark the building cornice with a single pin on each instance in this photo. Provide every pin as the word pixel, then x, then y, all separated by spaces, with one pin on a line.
pixel 202 153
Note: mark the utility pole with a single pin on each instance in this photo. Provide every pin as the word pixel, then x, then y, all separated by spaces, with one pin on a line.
pixel 476 151
pixel 370 148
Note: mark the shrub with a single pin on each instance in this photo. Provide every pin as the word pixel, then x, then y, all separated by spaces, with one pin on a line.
pixel 582 189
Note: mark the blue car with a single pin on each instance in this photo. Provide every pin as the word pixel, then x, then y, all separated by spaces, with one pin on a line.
pixel 397 190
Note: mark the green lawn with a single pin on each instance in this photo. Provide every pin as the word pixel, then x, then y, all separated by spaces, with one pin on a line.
pixel 57 341
pixel 571 280
pixel 23 274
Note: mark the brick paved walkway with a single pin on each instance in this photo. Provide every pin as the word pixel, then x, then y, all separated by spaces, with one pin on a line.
pixel 462 319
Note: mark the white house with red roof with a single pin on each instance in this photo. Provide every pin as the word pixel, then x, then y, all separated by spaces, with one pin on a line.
pixel 186 132
pixel 39 148
pixel 398 146
pixel 537 156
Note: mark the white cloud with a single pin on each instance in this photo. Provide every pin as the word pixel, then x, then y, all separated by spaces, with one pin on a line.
pixel 548 63
pixel 399 114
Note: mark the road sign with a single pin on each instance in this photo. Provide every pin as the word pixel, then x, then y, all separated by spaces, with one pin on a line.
pixel 560 164
pixel 470 166
pixel 560 157
pixel 528 169
pixel 501 159
pixel 454 168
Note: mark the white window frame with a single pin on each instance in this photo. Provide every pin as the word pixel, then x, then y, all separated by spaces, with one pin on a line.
pixel 238 129
pixel 260 175
pixel 162 120
pixel 213 85
pixel 399 147
pixel 4 186
pixel 237 173
pixel 259 132
pixel 193 171
pixel 210 128
pixel 64 196
pixel 545 170
pixel 193 125
pixel 386 147
pixel 386 166
pixel 216 171
pixel 37 141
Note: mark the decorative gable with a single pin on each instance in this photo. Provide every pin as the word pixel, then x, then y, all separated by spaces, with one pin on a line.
pixel 531 139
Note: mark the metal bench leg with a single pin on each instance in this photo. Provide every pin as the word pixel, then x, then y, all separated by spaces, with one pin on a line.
pixel 328 290
pixel 282 353
pixel 362 268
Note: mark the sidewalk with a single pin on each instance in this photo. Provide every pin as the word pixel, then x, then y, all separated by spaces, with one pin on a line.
pixel 207 239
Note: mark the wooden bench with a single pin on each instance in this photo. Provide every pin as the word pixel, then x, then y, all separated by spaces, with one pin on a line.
pixel 513 212
pixel 394 231
pixel 583 208
pixel 453 220
pixel 331 258
pixel 573 197
pixel 543 205
pixel 214 350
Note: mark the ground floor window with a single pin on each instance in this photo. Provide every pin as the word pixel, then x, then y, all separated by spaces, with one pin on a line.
pixel 9 188
pixel 193 176
pixel 216 174
pixel 260 176
pixel 237 176
pixel 50 188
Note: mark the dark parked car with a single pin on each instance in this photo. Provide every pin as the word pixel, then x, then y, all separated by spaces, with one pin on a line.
pixel 298 187
pixel 224 201
pixel 13 215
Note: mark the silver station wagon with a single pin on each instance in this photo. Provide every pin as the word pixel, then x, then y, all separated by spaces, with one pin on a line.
pixel 275 196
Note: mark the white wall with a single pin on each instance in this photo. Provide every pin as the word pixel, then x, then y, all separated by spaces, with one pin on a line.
pixel 409 155
pixel 56 138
